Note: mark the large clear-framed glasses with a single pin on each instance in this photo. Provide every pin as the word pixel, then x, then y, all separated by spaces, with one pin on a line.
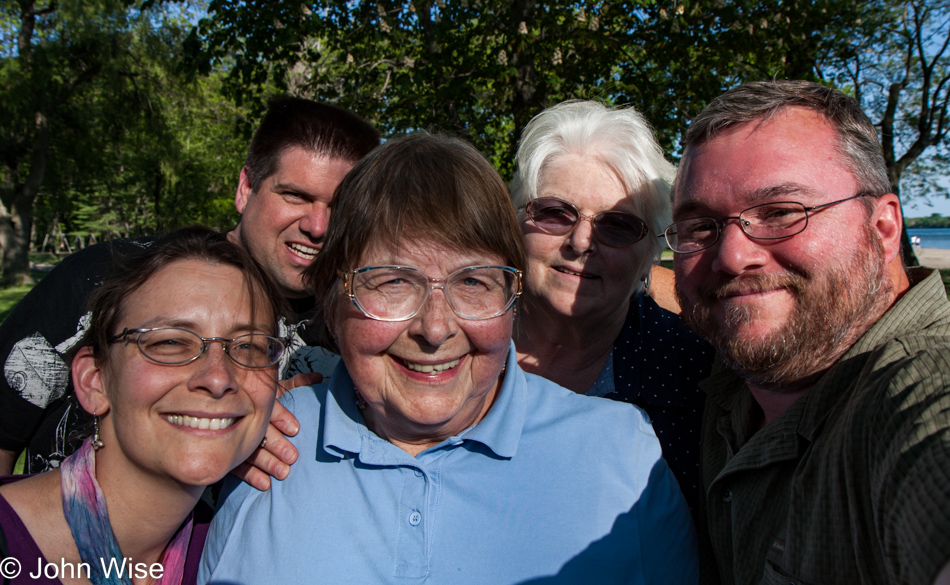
pixel 398 293
pixel 173 346
pixel 769 221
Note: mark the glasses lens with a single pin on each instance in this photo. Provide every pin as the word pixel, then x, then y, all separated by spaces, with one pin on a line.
pixel 482 292
pixel 618 229
pixel 389 293
pixel 692 235
pixel 552 215
pixel 255 350
pixel 170 345
pixel 774 220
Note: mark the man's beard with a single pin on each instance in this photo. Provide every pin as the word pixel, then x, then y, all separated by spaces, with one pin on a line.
pixel 830 313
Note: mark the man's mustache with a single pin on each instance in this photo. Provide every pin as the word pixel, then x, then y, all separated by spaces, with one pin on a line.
pixel 723 287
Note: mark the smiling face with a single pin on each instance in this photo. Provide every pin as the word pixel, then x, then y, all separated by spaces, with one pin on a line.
pixel 284 222
pixel 780 310
pixel 192 422
pixel 432 376
pixel 574 274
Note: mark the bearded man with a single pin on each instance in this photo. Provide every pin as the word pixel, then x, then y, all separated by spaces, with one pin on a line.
pixel 826 436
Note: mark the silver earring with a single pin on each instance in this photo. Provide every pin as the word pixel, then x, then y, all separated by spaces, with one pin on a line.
pixel 96 440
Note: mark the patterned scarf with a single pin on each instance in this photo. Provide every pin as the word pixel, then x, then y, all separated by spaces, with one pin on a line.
pixel 85 509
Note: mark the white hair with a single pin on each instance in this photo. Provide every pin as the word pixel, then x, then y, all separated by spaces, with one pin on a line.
pixel 619 138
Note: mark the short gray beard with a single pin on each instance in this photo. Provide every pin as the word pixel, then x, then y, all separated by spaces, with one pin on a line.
pixel 829 316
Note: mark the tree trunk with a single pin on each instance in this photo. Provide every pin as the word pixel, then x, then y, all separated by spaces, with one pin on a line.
pixel 16 215
pixel 907 251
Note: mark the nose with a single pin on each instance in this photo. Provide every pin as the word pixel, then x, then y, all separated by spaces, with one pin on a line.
pixel 735 252
pixel 314 222
pixel 436 322
pixel 581 238
pixel 214 371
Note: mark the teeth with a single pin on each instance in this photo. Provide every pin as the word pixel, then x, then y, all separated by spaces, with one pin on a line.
pixel 432 368
pixel 304 251
pixel 213 424
pixel 566 271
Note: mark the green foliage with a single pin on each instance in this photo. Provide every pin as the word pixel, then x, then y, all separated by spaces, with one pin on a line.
pixel 134 144
pixel 934 221
pixel 900 73
pixel 483 68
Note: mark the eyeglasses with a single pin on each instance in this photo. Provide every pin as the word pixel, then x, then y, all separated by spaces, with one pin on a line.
pixel 615 229
pixel 398 293
pixel 769 221
pixel 173 346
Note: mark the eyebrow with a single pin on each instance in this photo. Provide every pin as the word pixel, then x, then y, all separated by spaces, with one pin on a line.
pixel 292 188
pixel 752 198
pixel 238 329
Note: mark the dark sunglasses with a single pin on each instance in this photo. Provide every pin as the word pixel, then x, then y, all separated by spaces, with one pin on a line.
pixel 615 229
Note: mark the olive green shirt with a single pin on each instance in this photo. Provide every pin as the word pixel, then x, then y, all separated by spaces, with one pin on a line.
pixel 852 483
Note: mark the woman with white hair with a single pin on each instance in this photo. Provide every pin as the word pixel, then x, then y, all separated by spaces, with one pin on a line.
pixel 592 192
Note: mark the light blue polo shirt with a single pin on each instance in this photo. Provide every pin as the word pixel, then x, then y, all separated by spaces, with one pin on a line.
pixel 549 487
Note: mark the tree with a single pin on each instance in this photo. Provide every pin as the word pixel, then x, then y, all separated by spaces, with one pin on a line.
pixel 58 51
pixel 483 68
pixel 901 76
pixel 100 131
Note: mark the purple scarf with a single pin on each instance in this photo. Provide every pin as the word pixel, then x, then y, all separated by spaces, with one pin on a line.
pixel 85 509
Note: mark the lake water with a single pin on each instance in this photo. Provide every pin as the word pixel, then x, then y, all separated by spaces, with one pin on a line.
pixel 931 237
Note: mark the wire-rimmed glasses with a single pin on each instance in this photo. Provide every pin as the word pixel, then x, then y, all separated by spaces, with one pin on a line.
pixel 769 221
pixel 616 229
pixel 174 346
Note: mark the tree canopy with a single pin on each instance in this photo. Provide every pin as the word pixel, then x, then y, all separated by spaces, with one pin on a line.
pixel 483 68
pixel 120 117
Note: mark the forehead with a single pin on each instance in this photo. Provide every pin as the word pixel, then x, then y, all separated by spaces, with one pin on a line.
pixel 793 156
pixel 189 291
pixel 584 181
pixel 308 170
pixel 432 258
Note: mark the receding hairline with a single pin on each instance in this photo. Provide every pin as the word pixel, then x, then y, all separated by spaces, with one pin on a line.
pixel 775 115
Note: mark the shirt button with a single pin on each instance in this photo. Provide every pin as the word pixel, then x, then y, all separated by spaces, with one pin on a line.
pixel 415 518
pixel 726 495
pixel 417 472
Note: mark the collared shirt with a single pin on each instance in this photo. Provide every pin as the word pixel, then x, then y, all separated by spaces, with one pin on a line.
pixel 549 485
pixel 852 483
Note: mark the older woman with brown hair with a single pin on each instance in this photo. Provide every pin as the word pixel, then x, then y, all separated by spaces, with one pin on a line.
pixel 431 456
pixel 592 191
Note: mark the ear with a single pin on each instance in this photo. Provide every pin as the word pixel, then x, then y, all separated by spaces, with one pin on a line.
pixel 887 221
pixel 244 191
pixel 88 382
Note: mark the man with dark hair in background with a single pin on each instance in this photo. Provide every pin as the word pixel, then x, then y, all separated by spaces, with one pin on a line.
pixel 297 157
pixel 826 439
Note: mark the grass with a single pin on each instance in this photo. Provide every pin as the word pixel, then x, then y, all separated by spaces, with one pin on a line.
pixel 10 296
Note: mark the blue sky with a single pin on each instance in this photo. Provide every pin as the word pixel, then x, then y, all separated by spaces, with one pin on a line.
pixel 919 208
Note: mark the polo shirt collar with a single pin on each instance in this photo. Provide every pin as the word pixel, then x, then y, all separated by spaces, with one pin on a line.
pixel 343 430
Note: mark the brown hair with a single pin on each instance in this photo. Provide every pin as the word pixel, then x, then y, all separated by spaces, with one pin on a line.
pixel 130 271
pixel 858 144
pixel 422 186
pixel 313 126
